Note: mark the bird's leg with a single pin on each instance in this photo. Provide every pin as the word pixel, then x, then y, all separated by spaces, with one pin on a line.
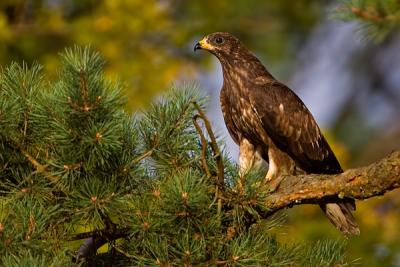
pixel 273 179
pixel 272 168
pixel 280 164
pixel 274 183
pixel 249 158
pixel 246 156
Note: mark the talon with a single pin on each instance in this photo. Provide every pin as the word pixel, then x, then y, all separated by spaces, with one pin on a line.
pixel 271 189
pixel 273 184
pixel 268 178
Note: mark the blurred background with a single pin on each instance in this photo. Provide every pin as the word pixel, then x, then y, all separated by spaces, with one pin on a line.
pixel 341 57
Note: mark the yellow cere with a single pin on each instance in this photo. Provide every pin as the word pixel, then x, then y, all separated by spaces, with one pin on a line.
pixel 204 44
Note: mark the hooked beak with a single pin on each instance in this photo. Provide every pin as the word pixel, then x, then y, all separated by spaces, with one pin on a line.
pixel 203 44
pixel 196 47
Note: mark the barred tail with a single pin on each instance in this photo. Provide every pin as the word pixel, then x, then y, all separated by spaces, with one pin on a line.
pixel 340 216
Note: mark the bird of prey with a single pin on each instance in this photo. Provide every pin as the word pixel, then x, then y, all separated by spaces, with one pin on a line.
pixel 270 123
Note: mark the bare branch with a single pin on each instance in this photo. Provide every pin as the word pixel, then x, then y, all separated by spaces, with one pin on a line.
pixel 361 183
pixel 214 144
pixel 216 151
pixel 203 146
pixel 96 239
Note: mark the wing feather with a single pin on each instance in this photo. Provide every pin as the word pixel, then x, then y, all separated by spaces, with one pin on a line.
pixel 292 128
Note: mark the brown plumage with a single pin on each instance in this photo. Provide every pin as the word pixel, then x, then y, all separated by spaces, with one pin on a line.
pixel 270 122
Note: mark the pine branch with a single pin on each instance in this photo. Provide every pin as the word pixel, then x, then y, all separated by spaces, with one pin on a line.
pixel 366 15
pixel 378 18
pixel 215 149
pixel 40 168
pixel 373 180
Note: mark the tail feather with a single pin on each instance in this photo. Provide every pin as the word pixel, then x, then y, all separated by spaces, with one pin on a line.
pixel 340 216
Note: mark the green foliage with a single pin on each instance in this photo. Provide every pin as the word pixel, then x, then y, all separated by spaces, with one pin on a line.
pixel 148 43
pixel 74 163
pixel 378 17
pixel 26 259
pixel 324 253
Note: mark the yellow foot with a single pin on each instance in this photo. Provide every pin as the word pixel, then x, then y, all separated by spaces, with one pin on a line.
pixel 273 183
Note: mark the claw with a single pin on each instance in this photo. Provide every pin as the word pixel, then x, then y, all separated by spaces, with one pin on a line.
pixel 273 184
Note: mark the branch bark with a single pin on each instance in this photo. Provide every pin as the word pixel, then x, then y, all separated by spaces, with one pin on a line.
pixel 361 183
pixel 94 240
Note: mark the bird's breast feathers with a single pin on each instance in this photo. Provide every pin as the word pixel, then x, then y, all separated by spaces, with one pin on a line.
pixel 240 116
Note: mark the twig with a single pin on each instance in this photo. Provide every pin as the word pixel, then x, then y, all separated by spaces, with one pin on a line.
pixel 366 15
pixel 214 144
pixel 40 168
pixel 104 232
pixel 148 153
pixel 217 155
pixel 203 146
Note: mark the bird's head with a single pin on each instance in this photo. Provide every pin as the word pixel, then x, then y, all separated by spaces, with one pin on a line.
pixel 220 44
pixel 232 54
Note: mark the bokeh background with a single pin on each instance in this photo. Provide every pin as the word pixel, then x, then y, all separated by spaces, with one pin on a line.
pixel 349 80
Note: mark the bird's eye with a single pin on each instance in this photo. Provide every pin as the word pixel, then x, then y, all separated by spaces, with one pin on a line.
pixel 219 40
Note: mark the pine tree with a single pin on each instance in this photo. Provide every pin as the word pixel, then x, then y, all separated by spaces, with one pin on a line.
pixel 378 18
pixel 78 172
